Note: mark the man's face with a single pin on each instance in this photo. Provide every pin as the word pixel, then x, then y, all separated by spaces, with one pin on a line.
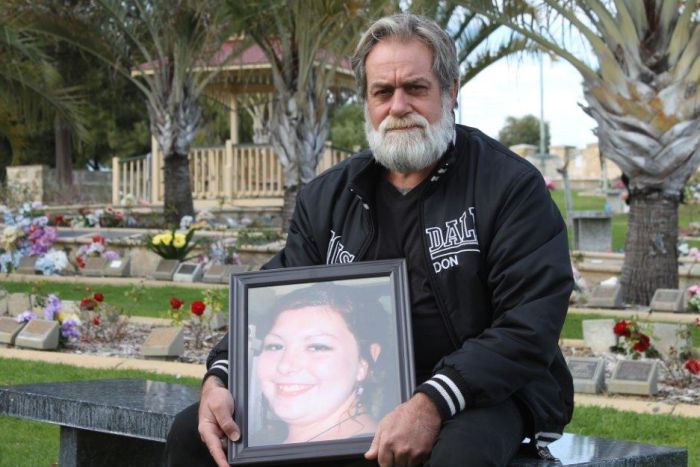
pixel 409 121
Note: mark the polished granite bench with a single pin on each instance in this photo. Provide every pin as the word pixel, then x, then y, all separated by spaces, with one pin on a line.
pixel 126 422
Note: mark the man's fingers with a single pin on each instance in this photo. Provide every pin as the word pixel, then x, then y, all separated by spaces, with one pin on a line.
pixel 227 425
pixel 371 453
pixel 215 448
pixel 386 457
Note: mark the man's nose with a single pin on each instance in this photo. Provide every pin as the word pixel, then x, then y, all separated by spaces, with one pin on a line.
pixel 400 104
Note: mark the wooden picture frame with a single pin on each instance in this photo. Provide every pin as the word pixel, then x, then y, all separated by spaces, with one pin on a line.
pixel 311 382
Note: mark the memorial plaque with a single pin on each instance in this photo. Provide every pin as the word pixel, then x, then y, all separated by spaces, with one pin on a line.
pixel 9 328
pixel 668 336
pixel 164 343
pixel 165 269
pixel 606 297
pixel 27 265
pixel 598 334
pixel 635 377
pixel 667 300
pixel 18 303
pixel 216 274
pixel 188 272
pixel 4 296
pixel 588 374
pixel 94 266
pixel 39 334
pixel 117 268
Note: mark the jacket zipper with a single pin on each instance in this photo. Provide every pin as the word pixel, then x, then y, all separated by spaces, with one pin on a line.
pixel 368 239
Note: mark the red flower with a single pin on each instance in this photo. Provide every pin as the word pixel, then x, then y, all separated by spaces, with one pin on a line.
pixel 621 328
pixel 88 303
pixel 96 320
pixel 80 261
pixel 176 304
pixel 59 220
pixel 692 366
pixel 99 297
pixel 642 344
pixel 98 239
pixel 198 307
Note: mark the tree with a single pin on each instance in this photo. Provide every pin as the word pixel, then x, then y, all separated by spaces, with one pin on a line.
pixel 641 87
pixel 523 130
pixel 304 43
pixel 158 45
pixel 347 126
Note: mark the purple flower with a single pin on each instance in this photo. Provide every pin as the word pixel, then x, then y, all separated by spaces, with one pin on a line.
pixel 111 255
pixel 26 316
pixel 70 329
pixel 53 306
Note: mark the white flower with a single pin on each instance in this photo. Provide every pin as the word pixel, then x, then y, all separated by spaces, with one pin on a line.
pixel 186 222
pixel 36 204
pixel 52 262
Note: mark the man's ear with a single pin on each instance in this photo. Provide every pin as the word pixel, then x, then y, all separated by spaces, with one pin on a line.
pixel 454 92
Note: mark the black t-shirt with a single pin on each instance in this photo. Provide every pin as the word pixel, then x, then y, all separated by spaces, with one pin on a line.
pixel 399 236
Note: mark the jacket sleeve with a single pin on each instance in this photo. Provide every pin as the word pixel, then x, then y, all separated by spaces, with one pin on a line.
pixel 529 279
pixel 299 250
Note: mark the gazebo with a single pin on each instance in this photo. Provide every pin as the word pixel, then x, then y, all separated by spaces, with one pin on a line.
pixel 234 172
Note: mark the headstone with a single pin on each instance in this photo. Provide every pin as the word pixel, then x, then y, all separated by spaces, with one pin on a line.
pixel 606 297
pixel 9 328
pixel 598 334
pixel 667 300
pixel 27 265
pixel 216 274
pixel 4 296
pixel 635 377
pixel 39 334
pixel 188 272
pixel 70 307
pixel 665 336
pixel 117 268
pixel 165 269
pixel 218 321
pixel 18 303
pixel 94 266
pixel 588 374
pixel 592 230
pixel 164 343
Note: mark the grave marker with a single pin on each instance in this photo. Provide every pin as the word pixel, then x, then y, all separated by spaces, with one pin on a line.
pixel 27 265
pixel 70 307
pixel 667 335
pixel 635 377
pixel 188 272
pixel 165 269
pixel 588 374
pixel 606 297
pixel 94 266
pixel 9 328
pixel 667 300
pixel 18 303
pixel 598 334
pixel 3 302
pixel 39 334
pixel 216 274
pixel 117 268
pixel 164 343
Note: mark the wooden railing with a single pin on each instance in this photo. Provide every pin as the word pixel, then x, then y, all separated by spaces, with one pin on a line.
pixel 216 173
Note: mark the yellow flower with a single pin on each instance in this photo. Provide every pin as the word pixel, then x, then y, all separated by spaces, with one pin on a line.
pixel 157 239
pixel 179 240
pixel 167 238
pixel 61 316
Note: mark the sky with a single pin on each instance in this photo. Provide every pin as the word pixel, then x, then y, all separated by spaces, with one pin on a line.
pixel 511 88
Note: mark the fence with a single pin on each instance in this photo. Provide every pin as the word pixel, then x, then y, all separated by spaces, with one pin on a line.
pixel 216 173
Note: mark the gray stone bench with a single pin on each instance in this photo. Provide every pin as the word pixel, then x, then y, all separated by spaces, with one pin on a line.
pixel 126 422
pixel 103 422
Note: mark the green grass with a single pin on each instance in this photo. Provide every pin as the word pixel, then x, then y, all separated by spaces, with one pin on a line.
pixel 573 326
pixel 151 301
pixel 29 443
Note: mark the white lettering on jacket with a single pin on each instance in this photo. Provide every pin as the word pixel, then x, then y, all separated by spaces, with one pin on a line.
pixel 458 236
pixel 336 251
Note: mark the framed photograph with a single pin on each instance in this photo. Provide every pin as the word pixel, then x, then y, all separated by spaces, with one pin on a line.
pixel 318 356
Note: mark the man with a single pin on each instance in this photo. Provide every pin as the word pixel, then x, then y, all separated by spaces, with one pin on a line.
pixel 487 256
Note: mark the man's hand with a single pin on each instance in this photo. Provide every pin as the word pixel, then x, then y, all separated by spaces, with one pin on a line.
pixel 407 434
pixel 216 419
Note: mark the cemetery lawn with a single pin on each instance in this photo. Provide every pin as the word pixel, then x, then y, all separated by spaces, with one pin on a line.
pixel 30 443
pixel 573 326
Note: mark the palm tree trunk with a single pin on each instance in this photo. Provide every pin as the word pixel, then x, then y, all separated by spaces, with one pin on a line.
pixel 178 191
pixel 290 200
pixel 651 260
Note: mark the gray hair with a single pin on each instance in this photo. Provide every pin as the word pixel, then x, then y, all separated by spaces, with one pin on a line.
pixel 406 26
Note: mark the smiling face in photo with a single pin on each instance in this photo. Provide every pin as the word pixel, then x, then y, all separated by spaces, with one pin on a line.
pixel 310 365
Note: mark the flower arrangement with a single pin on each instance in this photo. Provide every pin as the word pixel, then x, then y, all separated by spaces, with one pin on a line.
pixel 694 297
pixel 101 321
pixel 172 244
pixel 198 321
pixel 631 340
pixel 97 248
pixel 52 308
pixel 53 262
pixel 25 234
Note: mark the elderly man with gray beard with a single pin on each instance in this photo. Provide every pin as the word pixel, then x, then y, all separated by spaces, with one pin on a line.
pixel 488 263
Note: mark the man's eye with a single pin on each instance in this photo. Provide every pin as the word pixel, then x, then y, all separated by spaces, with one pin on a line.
pixel 320 348
pixel 272 347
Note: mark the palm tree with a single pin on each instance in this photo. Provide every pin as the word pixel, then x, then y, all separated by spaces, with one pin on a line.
pixel 476 37
pixel 641 87
pixel 166 48
pixel 304 42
